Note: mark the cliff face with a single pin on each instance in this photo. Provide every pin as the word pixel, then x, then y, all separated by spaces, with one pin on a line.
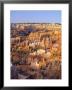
pixel 36 46
pixel 42 34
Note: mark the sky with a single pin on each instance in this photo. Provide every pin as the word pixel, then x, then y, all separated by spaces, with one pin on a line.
pixel 35 16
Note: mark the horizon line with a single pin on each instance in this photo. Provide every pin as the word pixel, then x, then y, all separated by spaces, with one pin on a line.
pixel 35 23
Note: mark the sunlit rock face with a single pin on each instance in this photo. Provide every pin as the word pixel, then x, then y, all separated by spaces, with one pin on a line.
pixel 36 50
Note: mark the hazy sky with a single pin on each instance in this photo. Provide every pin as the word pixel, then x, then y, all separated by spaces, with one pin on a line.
pixel 35 16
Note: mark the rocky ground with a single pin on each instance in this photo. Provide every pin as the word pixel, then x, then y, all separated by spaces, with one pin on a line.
pixel 36 51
